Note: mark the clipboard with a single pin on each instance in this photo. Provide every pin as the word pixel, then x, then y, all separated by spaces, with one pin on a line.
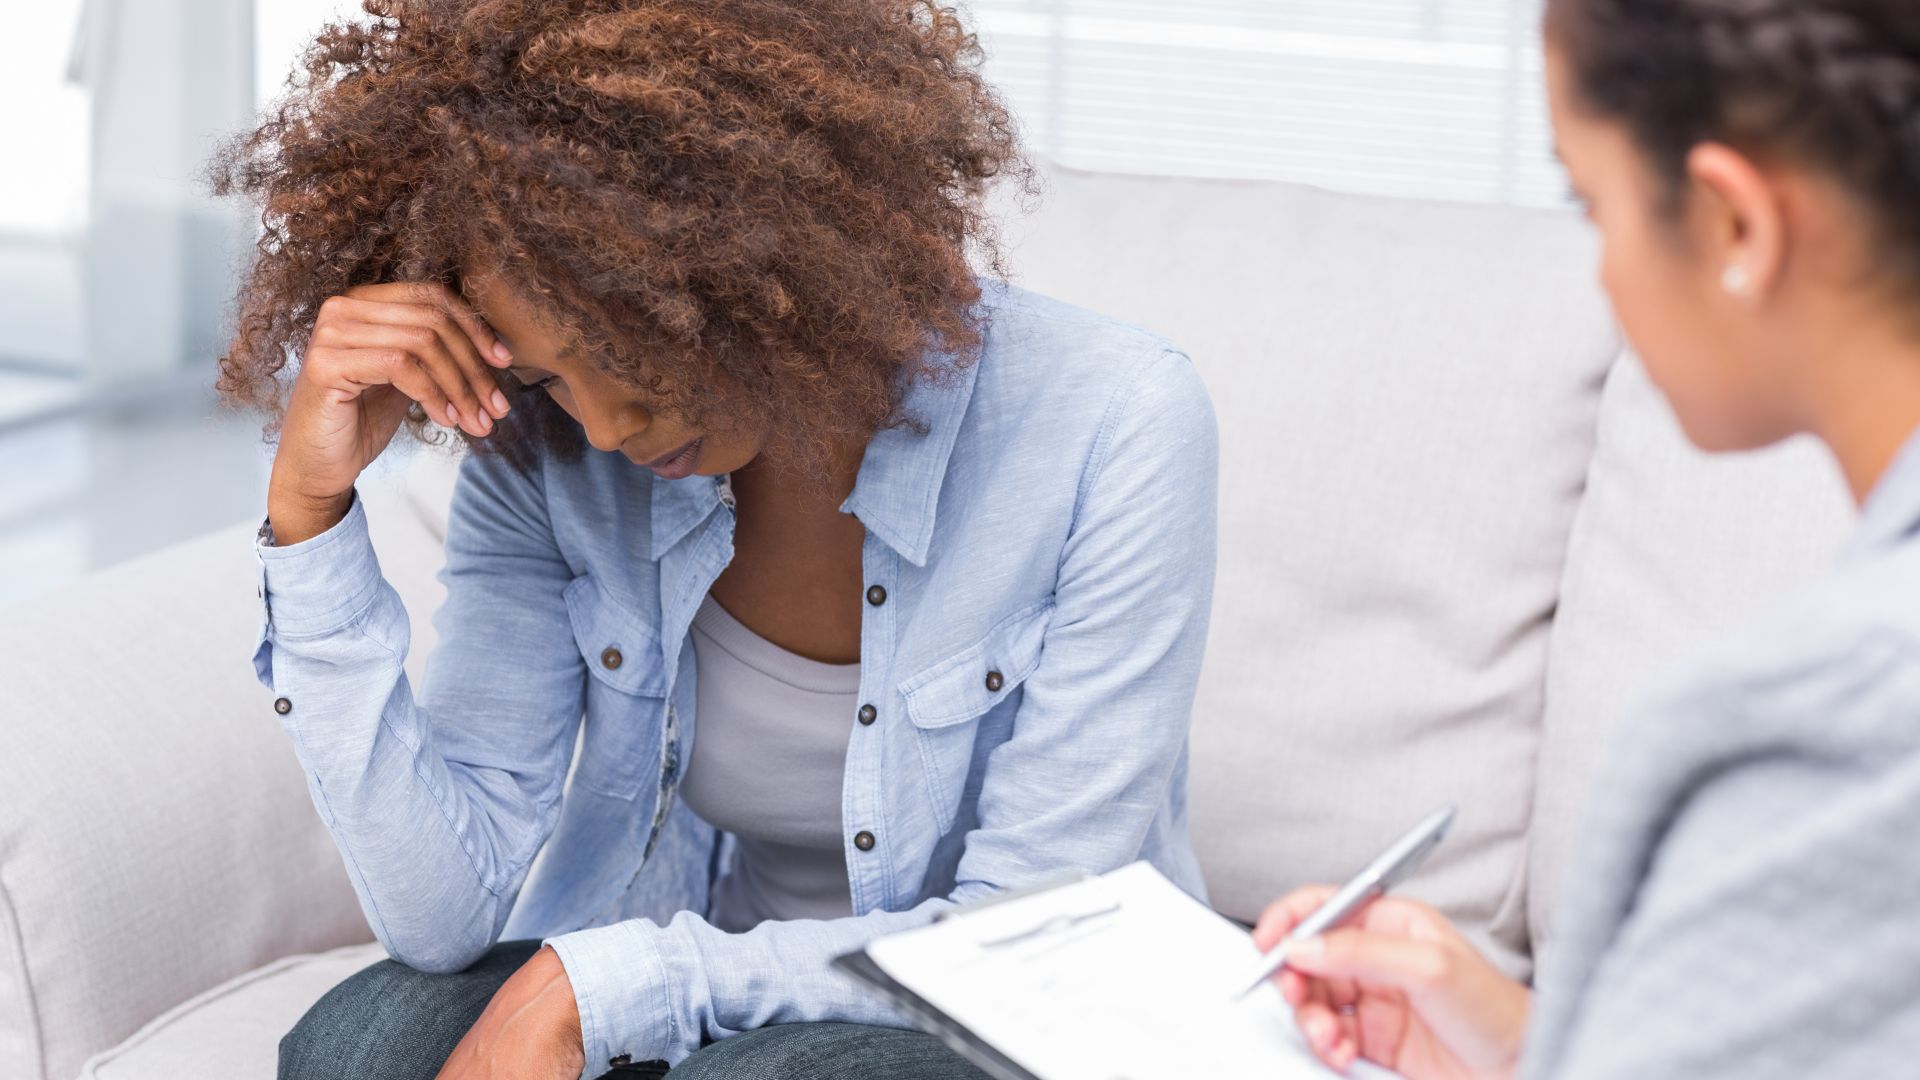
pixel 1118 976
pixel 958 1037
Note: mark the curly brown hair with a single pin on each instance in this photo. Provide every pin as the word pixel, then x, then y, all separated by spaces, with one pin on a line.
pixel 784 192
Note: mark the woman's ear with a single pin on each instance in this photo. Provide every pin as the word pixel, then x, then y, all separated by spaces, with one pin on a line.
pixel 1741 219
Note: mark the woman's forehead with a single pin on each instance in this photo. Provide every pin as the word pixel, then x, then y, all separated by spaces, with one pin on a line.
pixel 518 321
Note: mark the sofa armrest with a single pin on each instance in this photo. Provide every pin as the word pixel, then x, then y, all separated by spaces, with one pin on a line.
pixel 156 836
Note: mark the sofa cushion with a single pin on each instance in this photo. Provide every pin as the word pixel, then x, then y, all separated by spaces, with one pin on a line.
pixel 1407 394
pixel 1671 548
pixel 156 837
pixel 231 1032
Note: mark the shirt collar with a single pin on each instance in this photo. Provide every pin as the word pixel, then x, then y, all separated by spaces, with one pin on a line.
pixel 679 506
pixel 1892 511
pixel 897 490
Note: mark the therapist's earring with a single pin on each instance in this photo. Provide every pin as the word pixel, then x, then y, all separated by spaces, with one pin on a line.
pixel 1736 280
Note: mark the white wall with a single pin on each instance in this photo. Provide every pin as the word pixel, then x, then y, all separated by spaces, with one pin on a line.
pixel 282 29
pixel 43 122
pixel 168 81
pixel 43 201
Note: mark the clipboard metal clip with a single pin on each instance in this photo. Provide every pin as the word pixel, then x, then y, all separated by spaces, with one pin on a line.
pixel 1055 925
pixel 1007 896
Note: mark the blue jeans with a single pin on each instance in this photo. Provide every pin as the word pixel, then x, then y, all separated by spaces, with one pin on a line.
pixel 390 1022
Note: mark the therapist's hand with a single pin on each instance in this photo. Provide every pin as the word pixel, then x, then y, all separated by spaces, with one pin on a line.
pixel 1400 987
pixel 529 1031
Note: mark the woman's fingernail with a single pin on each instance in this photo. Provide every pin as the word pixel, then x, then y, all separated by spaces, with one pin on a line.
pixel 453 415
pixel 1312 948
pixel 486 423
pixel 1319 1031
pixel 500 353
pixel 500 403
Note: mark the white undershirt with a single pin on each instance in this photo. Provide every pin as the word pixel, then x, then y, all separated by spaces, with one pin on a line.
pixel 767 765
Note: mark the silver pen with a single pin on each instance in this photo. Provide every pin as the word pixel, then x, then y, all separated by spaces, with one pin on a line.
pixel 1383 873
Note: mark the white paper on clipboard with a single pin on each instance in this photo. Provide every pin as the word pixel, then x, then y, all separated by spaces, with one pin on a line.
pixel 1118 977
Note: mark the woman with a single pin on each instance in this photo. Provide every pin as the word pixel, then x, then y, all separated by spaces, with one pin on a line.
pixel 879 590
pixel 1745 906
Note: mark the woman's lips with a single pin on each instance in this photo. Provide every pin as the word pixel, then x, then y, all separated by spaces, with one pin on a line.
pixel 677 464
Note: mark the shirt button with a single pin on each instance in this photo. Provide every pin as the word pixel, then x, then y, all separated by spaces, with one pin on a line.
pixel 876 596
pixel 868 714
pixel 610 657
pixel 282 706
pixel 995 682
pixel 863 840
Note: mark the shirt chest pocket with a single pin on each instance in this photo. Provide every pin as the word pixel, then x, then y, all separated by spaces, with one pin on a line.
pixel 626 715
pixel 946 700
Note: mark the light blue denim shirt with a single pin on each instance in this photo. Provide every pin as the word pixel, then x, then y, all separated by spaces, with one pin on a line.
pixel 1039 560
pixel 1746 904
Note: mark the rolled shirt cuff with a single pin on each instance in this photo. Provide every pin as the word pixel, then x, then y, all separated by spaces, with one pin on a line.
pixel 620 986
pixel 319 584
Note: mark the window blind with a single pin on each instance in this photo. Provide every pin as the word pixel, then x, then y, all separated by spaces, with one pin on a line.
pixel 1428 98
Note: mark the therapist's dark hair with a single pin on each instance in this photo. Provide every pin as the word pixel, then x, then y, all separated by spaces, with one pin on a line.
pixel 1832 85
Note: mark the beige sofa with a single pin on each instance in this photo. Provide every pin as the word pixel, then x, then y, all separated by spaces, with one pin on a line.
pixel 1457 529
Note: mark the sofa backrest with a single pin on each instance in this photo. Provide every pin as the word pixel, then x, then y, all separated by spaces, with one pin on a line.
pixel 1407 396
pixel 1413 428
pixel 1671 547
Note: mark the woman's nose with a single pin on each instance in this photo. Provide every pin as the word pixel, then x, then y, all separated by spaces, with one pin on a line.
pixel 603 439
pixel 609 428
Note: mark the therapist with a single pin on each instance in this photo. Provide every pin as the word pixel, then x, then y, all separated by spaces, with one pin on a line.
pixel 1748 901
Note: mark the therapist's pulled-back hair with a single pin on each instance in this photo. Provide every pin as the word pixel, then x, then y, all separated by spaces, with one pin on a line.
pixel 1829 84
pixel 779 192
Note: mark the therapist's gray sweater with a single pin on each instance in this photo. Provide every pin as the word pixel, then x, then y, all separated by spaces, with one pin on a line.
pixel 1747 903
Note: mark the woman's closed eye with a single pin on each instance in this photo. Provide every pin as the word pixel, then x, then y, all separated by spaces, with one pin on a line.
pixel 527 380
